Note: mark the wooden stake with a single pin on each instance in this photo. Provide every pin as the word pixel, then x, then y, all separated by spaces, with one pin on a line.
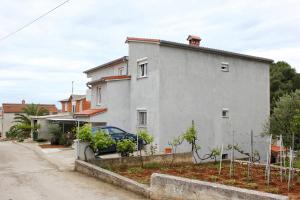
pixel 280 157
pixel 221 157
pixel 290 169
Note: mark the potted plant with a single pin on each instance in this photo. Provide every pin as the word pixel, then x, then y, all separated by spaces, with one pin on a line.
pixel 84 136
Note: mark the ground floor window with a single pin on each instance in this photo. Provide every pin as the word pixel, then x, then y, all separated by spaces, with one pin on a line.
pixel 142 118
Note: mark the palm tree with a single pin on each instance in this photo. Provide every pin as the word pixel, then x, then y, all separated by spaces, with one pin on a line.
pixel 23 119
pixel 30 110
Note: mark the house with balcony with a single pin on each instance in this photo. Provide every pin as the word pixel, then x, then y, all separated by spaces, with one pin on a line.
pixel 162 86
pixel 75 103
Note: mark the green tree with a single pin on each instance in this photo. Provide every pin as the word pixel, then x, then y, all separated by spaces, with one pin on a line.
pixel 285 119
pixel 283 80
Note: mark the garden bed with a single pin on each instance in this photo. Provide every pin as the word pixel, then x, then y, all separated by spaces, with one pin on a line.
pixel 209 172
pixel 46 146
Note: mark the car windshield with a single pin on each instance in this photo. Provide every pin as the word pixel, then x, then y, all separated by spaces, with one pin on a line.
pixel 95 129
pixel 117 131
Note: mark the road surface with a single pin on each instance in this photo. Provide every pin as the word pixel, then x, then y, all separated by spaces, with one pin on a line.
pixel 25 175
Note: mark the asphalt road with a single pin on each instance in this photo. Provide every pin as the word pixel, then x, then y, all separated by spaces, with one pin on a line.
pixel 25 175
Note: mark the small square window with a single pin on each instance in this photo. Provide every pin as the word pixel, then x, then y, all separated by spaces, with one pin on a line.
pixel 225 113
pixel 225 67
pixel 142 118
pixel 225 156
pixel 142 68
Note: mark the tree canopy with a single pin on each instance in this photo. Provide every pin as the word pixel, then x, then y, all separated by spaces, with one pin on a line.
pixel 283 80
pixel 285 119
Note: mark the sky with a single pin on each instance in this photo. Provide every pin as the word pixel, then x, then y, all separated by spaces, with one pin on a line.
pixel 39 63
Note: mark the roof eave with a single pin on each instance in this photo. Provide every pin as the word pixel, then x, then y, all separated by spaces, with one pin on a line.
pixel 215 51
pixel 116 61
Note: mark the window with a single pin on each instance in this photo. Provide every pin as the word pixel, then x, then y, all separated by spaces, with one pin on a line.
pixel 142 118
pixel 225 113
pixel 121 71
pixel 225 156
pixel 73 108
pixel 142 68
pixel 225 67
pixel 98 95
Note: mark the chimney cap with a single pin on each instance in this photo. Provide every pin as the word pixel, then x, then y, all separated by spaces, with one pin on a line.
pixel 193 37
pixel 23 101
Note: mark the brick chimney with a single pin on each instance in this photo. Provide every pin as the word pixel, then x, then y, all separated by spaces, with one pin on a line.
pixel 194 40
pixel 23 101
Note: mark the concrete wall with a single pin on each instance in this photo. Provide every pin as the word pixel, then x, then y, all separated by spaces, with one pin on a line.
pixel 1 128
pixel 163 159
pixel 193 87
pixel 144 92
pixel 8 121
pixel 165 187
pixel 115 97
pixel 106 71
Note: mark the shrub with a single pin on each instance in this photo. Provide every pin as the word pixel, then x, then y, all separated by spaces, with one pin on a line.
pixel 19 131
pixel 56 132
pixel 85 133
pixel 144 135
pixel 101 140
pixel 125 147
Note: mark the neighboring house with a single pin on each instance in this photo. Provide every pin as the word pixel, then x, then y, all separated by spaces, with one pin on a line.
pixel 75 103
pixel 10 109
pixel 162 86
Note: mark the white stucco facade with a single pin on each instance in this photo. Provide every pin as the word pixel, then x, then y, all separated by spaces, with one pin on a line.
pixel 187 83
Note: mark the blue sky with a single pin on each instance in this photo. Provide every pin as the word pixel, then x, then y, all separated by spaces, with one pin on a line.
pixel 39 63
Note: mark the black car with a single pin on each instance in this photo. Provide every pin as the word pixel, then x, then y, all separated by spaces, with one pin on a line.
pixel 117 134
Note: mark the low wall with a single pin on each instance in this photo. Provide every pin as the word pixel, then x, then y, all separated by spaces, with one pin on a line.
pixel 165 187
pixel 179 158
pixel 112 178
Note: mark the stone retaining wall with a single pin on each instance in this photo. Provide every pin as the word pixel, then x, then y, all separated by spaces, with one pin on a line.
pixel 163 159
pixel 166 187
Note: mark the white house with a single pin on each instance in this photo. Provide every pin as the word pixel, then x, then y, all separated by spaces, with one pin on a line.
pixel 162 86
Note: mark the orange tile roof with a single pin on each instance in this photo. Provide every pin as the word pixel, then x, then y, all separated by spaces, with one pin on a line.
pixel 128 39
pixel 276 148
pixel 90 112
pixel 110 78
pixel 18 108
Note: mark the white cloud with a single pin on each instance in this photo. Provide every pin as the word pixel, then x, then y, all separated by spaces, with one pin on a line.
pixel 48 55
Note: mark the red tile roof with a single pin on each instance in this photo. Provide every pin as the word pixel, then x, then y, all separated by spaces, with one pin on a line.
pixel 142 40
pixel 110 78
pixel 18 108
pixel 276 148
pixel 90 112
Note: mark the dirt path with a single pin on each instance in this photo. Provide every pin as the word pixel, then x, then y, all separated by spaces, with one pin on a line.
pixel 24 175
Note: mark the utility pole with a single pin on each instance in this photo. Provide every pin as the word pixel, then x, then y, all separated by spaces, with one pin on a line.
pixel 72 87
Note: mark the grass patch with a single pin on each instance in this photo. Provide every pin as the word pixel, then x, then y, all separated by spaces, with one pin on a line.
pixel 213 178
pixel 251 186
pixel 273 190
pixel 152 166
pixel 134 170
pixel 230 182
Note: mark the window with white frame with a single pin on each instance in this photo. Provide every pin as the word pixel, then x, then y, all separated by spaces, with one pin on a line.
pixel 225 67
pixel 73 108
pixel 98 95
pixel 142 118
pixel 225 113
pixel 142 70
pixel 121 71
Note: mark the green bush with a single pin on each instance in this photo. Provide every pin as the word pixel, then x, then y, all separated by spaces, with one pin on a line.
pixel 101 140
pixel 85 133
pixel 125 147
pixel 19 132
pixel 144 135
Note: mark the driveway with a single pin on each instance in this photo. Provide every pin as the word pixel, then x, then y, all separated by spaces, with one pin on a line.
pixel 26 175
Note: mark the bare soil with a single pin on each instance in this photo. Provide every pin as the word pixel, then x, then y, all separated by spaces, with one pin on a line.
pixel 45 146
pixel 210 172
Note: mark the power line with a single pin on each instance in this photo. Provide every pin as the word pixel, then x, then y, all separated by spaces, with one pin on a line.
pixel 28 24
